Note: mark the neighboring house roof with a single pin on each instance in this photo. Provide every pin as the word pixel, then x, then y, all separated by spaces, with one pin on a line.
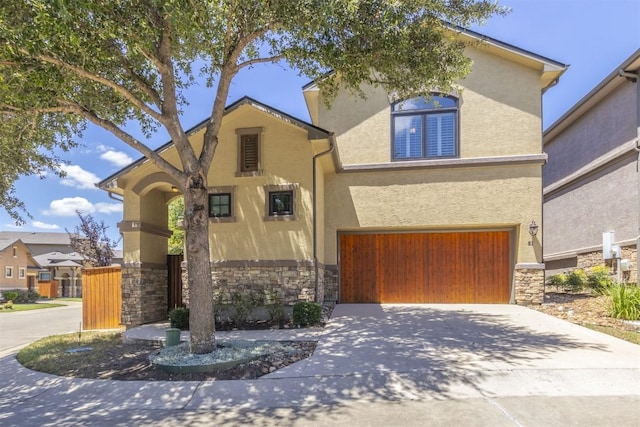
pixel 7 243
pixel 604 88
pixel 37 238
pixel 58 259
pixel 315 132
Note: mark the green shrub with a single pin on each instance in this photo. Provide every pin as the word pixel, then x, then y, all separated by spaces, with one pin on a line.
pixel 599 280
pixel 179 318
pixel 558 280
pixel 306 313
pixel 576 281
pixel 243 305
pixel 625 302
pixel 275 307
pixel 10 295
pixel 26 296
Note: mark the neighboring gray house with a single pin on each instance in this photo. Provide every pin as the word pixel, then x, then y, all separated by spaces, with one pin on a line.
pixel 53 252
pixel 591 180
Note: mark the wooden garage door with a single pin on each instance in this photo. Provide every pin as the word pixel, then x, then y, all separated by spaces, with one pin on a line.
pixel 461 267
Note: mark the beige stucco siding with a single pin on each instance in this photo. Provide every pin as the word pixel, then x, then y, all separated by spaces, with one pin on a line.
pixel 286 156
pixel 500 110
pixel 491 197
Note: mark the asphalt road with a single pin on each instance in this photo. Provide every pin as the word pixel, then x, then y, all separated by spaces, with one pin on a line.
pixel 23 327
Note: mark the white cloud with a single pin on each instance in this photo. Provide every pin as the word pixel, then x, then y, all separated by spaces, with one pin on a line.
pixel 12 225
pixel 108 208
pixel 102 148
pixel 44 225
pixel 69 205
pixel 79 178
pixel 117 158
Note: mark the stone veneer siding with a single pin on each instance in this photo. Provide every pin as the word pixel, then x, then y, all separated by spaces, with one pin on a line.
pixel 591 259
pixel 529 285
pixel 144 295
pixel 295 279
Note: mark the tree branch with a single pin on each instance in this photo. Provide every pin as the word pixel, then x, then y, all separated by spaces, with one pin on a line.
pixel 170 104
pixel 81 72
pixel 139 82
pixel 126 138
pixel 251 62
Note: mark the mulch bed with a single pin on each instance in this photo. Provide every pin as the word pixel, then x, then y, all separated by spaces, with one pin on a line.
pixel 130 362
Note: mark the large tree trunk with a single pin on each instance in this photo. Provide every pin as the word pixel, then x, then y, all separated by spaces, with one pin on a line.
pixel 201 317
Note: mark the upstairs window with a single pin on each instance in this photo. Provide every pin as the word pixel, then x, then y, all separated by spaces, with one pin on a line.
pixel 425 128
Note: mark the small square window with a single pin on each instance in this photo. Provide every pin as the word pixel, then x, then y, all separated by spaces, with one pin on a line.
pixel 21 273
pixel 220 205
pixel 280 203
pixel 44 276
pixel 8 272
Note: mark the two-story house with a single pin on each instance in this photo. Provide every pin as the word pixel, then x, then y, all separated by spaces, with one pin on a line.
pixel 376 200
pixel 591 181
pixel 18 269
pixel 56 259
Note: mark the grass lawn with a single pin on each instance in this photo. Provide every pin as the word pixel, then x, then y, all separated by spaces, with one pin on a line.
pixel 28 307
pixel 69 299
pixel 49 354
pixel 630 336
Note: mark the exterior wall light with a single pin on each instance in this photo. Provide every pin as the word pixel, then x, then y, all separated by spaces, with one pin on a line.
pixel 174 189
pixel 533 230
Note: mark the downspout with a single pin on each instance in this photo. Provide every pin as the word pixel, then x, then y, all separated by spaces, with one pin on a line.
pixel 633 77
pixel 332 140
pixel 112 196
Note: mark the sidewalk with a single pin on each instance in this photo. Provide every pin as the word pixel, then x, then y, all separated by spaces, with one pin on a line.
pixel 498 365
pixel 155 333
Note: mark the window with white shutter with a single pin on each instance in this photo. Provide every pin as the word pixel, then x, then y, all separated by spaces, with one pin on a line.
pixel 425 128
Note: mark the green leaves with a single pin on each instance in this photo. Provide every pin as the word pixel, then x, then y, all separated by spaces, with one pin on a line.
pixel 120 63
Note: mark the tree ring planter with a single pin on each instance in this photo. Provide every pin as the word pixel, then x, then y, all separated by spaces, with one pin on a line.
pixel 178 360
pixel 195 369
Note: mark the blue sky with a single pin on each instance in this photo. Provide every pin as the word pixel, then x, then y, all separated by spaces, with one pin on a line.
pixel 592 36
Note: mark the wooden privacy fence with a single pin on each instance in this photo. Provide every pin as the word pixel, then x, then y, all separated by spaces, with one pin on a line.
pixel 101 298
pixel 48 289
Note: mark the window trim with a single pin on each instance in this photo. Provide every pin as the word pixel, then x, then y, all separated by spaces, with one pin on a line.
pixel 424 113
pixel 22 273
pixel 230 190
pixel 8 272
pixel 239 134
pixel 268 189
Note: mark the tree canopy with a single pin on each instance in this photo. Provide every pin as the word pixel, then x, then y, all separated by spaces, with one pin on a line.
pixel 123 63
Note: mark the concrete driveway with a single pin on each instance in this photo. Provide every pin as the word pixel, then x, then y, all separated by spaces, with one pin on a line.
pixel 449 365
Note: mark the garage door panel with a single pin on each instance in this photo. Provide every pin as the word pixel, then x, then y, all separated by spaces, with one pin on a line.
pixel 461 267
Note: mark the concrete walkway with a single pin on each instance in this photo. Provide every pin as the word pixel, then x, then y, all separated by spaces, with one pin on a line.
pixel 493 365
